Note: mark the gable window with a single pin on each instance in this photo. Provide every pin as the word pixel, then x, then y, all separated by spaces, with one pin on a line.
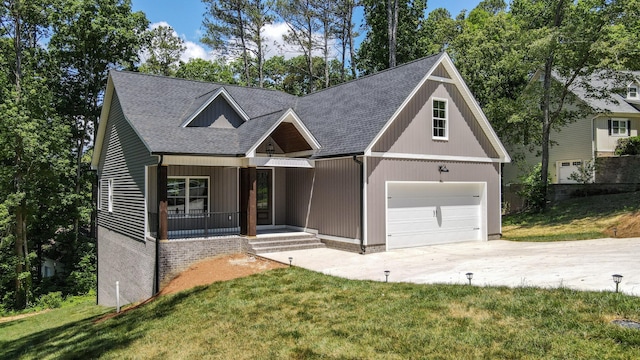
pixel 440 123
pixel 110 195
pixel 633 92
pixel 619 127
pixel 188 195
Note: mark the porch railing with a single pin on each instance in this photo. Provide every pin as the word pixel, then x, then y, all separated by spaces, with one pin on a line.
pixel 198 224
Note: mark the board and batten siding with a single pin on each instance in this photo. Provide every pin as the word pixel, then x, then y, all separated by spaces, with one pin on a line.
pixel 326 198
pixel 223 185
pixel 219 114
pixel 411 131
pixel 379 171
pixel 441 72
pixel 280 196
pixel 123 159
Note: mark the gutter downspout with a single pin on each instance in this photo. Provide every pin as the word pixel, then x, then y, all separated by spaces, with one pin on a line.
pixel 156 285
pixel 359 162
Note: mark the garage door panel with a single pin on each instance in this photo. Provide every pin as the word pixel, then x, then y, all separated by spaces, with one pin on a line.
pixel 420 214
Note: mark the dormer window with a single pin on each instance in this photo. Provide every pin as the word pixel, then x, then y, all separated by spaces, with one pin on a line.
pixel 633 92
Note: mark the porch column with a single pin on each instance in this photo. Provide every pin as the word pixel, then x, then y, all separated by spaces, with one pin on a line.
pixel 163 223
pixel 248 213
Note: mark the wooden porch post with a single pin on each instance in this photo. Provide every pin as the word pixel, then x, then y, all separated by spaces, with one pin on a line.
pixel 248 213
pixel 163 222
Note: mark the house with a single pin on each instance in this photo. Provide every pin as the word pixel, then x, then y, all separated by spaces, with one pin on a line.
pixel 190 169
pixel 614 117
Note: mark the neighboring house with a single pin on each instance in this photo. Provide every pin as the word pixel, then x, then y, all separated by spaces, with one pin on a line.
pixel 594 136
pixel 401 158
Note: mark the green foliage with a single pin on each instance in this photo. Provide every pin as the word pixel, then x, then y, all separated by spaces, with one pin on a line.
pixel 585 173
pixel 373 54
pixel 163 48
pixel 51 300
pixel 533 191
pixel 205 70
pixel 628 146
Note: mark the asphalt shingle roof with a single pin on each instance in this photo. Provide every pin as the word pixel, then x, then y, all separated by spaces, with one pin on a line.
pixel 613 102
pixel 344 119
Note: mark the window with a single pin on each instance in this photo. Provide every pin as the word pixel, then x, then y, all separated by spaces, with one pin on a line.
pixel 188 195
pixel 110 195
pixel 618 127
pixel 633 92
pixel 440 128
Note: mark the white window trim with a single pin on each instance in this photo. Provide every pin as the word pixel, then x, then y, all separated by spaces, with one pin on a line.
pixel 110 195
pixel 99 197
pixel 619 121
pixel 186 179
pixel 629 92
pixel 446 119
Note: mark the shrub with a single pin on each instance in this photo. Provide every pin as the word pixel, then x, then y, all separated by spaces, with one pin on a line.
pixel 51 300
pixel 628 146
pixel 532 190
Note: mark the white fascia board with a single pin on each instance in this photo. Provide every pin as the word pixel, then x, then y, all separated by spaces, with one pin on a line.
pixel 386 126
pixel 221 92
pixel 203 160
pixel 102 127
pixel 291 117
pixel 281 162
pixel 388 155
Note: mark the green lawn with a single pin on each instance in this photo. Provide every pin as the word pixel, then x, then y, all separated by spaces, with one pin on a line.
pixel 575 219
pixel 293 313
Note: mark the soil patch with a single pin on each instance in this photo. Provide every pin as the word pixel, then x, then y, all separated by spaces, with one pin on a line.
pixel 220 268
pixel 205 272
pixel 22 316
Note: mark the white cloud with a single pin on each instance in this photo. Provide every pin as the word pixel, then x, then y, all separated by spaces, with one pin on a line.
pixel 193 50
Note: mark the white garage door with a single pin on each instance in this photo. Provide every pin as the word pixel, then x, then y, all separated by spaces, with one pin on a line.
pixel 420 213
pixel 566 168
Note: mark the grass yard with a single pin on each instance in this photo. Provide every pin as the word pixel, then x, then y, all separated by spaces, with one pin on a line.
pixel 578 219
pixel 294 313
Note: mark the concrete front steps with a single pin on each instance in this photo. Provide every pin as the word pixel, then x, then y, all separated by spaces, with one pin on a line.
pixel 270 243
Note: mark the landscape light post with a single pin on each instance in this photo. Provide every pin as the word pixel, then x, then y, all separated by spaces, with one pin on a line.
pixel 386 275
pixel 469 277
pixel 617 278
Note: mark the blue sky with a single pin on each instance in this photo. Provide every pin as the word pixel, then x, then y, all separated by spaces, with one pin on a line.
pixel 185 17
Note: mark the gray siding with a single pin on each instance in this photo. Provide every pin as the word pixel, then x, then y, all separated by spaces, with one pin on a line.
pixel 123 159
pixel 223 185
pixel 382 170
pixel 411 132
pixel 333 188
pixel 218 114
pixel 441 72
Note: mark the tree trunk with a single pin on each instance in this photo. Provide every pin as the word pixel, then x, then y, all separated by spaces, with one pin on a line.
pixel 392 27
pixel 352 52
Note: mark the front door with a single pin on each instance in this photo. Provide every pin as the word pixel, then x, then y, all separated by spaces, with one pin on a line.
pixel 264 196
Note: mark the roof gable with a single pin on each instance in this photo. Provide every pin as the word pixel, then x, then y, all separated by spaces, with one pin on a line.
pixel 447 73
pixel 214 106
pixel 289 133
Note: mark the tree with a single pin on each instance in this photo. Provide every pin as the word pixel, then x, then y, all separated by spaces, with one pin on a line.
pixel 345 34
pixel 31 137
pixel 205 70
pixel 163 48
pixel 571 46
pixel 237 27
pixel 373 54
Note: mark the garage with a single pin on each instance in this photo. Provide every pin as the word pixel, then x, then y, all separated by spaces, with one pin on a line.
pixel 428 213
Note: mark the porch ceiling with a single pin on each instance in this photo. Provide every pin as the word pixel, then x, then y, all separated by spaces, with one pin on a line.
pixel 289 138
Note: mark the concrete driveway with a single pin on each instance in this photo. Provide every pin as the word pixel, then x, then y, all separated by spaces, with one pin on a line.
pixel 582 265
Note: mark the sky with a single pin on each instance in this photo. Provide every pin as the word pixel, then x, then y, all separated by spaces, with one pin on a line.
pixel 185 17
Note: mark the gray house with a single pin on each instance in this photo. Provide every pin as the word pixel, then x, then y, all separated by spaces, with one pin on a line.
pixel 190 169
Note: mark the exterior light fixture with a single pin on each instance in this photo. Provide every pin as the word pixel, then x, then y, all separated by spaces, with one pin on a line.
pixel 443 169
pixel 270 149
pixel 469 277
pixel 617 278
pixel 290 260
pixel 386 275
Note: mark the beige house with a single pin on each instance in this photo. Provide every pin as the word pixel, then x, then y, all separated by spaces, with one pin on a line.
pixel 614 117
